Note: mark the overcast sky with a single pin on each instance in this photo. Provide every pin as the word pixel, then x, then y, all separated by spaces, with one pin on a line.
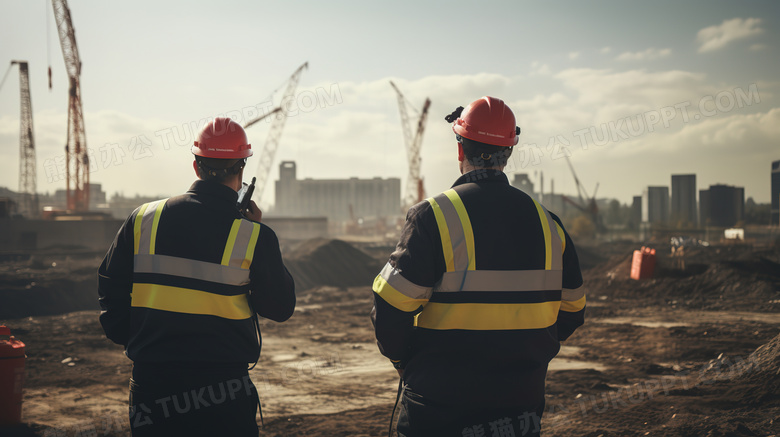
pixel 633 91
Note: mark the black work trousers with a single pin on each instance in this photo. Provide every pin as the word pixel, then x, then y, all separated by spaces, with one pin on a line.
pixel 420 417
pixel 200 401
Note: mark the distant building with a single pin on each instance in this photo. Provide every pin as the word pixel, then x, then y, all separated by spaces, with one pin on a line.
pixel 60 198
pixel 555 204
pixel 636 211
pixel 7 207
pixel 121 207
pixel 721 205
pixel 776 193
pixel 657 204
pixel 521 181
pixel 684 199
pixel 337 199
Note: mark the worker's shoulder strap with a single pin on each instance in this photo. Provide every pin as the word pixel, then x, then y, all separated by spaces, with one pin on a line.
pixel 554 239
pixel 239 247
pixel 145 226
pixel 457 236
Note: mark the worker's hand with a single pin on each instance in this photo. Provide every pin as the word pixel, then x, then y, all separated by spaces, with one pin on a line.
pixel 253 212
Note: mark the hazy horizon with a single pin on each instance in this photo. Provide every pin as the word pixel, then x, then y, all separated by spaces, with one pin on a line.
pixel 632 92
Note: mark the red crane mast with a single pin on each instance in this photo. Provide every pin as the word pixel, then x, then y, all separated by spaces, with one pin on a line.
pixel 77 159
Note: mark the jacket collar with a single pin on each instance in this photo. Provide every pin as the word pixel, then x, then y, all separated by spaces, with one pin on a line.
pixel 215 190
pixel 481 176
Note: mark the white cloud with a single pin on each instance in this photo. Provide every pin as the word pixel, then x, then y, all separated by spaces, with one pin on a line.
pixel 540 69
pixel 758 47
pixel 716 37
pixel 606 50
pixel 648 55
pixel 605 93
pixel 574 55
pixel 360 135
pixel 742 143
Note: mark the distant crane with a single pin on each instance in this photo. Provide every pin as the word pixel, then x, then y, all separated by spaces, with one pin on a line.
pixel 28 202
pixel 274 134
pixel 415 191
pixel 76 157
pixel 590 207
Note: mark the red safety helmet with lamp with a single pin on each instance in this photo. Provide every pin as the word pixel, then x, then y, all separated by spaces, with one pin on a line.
pixel 222 138
pixel 487 120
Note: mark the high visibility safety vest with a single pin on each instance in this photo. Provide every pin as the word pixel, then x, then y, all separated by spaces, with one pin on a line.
pixel 188 286
pixel 469 299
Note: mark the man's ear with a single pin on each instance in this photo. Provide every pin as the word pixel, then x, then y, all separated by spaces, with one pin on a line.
pixel 460 152
pixel 195 167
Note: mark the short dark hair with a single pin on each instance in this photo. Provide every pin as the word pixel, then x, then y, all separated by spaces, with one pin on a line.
pixel 483 155
pixel 218 170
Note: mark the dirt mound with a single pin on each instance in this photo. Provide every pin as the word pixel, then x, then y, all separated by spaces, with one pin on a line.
pixel 335 263
pixel 713 278
pixel 601 256
pixel 755 380
pixel 47 286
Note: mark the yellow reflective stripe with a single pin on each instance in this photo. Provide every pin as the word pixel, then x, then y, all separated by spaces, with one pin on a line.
pixel 231 241
pixel 572 294
pixel 468 232
pixel 187 301
pixel 156 222
pixel 444 232
pixel 573 306
pixel 484 317
pixel 137 227
pixel 190 268
pixel 250 250
pixel 547 236
pixel 394 297
pixel 562 235
pixel 500 280
pixel 403 285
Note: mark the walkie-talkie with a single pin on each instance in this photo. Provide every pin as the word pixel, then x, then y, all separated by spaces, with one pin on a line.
pixel 245 195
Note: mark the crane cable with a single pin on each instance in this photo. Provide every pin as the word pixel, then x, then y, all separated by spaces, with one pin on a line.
pixel 48 40
pixel 6 75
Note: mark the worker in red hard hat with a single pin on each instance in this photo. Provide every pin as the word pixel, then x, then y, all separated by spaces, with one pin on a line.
pixel 483 286
pixel 181 288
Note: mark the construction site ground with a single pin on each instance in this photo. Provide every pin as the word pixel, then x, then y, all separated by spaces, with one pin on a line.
pixel 693 352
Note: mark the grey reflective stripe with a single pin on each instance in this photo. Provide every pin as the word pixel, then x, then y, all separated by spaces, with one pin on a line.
pixel 500 280
pixel 243 238
pixel 188 268
pixel 572 295
pixel 457 235
pixel 145 239
pixel 555 243
pixel 403 285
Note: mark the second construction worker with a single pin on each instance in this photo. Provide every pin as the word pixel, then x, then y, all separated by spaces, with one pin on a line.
pixel 478 294
pixel 181 288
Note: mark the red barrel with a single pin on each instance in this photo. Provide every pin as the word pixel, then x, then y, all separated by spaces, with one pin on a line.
pixel 11 378
pixel 643 263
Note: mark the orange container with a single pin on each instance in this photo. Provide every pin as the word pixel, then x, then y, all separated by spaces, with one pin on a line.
pixel 11 378
pixel 643 263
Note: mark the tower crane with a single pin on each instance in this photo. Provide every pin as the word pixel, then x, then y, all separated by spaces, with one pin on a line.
pixel 274 134
pixel 76 157
pixel 590 207
pixel 28 202
pixel 415 191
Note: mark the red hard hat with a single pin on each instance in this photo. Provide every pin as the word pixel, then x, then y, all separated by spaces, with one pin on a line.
pixel 488 120
pixel 222 138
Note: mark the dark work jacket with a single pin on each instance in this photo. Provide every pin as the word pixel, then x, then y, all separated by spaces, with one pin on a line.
pixel 169 327
pixel 485 340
